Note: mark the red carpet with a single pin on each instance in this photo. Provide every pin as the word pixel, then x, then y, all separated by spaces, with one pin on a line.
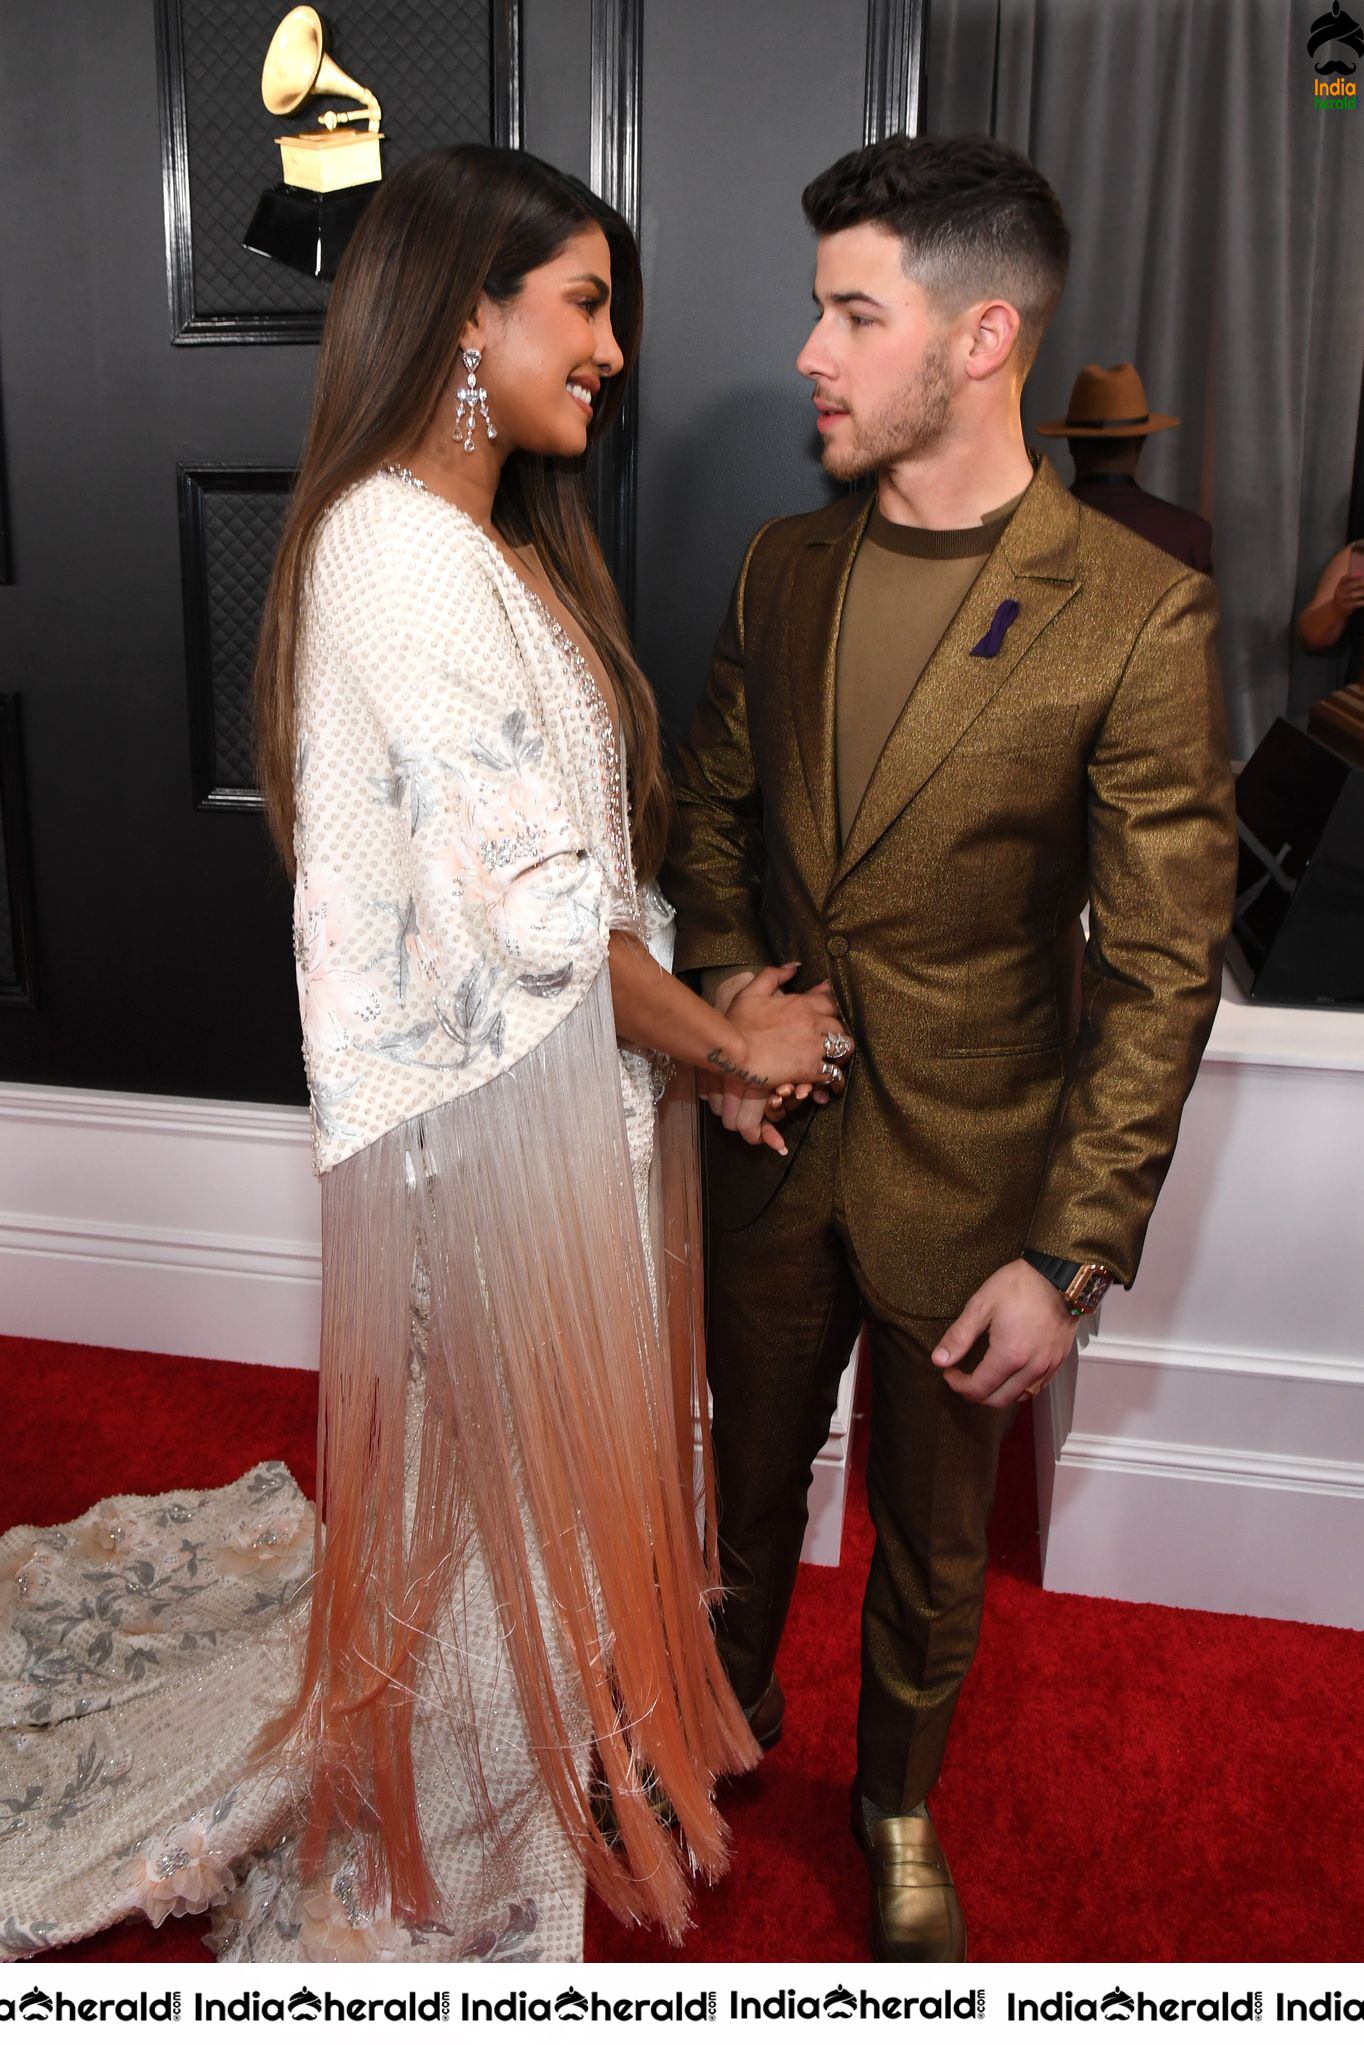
pixel 1125 1782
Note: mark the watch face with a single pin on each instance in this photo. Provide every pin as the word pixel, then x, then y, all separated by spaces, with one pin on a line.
pixel 1088 1287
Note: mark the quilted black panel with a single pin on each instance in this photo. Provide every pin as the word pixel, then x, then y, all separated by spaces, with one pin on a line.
pixel 9 966
pixel 241 533
pixel 17 983
pixel 230 527
pixel 428 61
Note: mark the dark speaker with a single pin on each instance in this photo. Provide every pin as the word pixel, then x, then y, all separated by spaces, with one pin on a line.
pixel 1298 932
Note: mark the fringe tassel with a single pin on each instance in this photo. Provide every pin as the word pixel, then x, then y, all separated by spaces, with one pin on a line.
pixel 554 1475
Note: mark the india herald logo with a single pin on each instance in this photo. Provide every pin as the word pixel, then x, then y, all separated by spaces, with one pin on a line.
pixel 1330 29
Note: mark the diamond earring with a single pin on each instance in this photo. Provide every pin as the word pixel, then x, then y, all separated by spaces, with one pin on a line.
pixel 472 401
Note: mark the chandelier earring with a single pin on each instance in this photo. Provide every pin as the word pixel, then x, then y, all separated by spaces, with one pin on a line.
pixel 471 402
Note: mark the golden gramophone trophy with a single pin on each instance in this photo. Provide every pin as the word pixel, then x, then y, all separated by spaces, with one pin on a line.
pixel 329 171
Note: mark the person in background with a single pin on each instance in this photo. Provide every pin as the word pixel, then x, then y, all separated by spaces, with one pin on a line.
pixel 1106 426
pixel 1335 604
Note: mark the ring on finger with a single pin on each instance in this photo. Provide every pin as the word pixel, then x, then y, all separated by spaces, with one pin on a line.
pixel 837 1047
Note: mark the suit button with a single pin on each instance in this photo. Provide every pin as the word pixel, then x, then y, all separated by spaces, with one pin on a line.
pixel 836 946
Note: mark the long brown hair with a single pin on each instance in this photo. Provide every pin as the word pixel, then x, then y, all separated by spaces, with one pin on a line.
pixel 446 227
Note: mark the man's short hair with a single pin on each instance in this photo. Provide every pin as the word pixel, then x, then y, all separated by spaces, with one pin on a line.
pixel 976 219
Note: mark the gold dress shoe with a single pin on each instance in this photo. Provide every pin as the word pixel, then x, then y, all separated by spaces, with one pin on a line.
pixel 915 1914
pixel 765 1717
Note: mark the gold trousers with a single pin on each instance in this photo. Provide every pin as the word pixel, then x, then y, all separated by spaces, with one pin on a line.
pixel 786 1295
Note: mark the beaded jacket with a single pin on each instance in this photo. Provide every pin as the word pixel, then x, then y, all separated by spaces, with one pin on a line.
pixel 461 836
pixel 487 1152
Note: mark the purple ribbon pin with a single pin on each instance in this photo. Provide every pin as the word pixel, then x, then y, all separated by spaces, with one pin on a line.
pixel 989 646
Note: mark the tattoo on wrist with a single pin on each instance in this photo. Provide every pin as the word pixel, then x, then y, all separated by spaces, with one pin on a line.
pixel 719 1059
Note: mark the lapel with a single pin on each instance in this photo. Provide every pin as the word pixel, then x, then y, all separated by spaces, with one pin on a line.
pixel 1034 563
pixel 813 626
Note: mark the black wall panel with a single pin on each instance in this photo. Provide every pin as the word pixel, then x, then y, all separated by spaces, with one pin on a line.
pixel 230 524
pixel 18 945
pixel 5 567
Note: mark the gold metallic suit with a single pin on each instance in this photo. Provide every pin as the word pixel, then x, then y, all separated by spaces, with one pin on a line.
pixel 1013 1083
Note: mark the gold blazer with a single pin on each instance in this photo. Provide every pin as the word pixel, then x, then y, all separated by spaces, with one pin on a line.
pixel 997 1098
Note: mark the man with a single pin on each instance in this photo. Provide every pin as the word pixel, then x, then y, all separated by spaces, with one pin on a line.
pixel 1106 426
pixel 941 714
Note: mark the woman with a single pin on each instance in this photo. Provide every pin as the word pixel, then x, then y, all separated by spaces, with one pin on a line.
pixel 507 1674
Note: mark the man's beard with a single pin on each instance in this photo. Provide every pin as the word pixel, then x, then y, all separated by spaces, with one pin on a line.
pixel 917 423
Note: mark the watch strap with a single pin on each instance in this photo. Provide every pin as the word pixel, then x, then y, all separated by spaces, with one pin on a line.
pixel 1058 1271
pixel 1081 1286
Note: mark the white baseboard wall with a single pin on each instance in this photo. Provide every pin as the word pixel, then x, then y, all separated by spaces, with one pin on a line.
pixel 144 1221
pixel 1213 1523
pixel 1206 1447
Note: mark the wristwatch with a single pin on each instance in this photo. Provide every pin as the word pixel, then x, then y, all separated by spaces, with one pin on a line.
pixel 1081 1286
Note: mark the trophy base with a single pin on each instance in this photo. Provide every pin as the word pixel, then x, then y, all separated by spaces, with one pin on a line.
pixel 307 231
pixel 330 161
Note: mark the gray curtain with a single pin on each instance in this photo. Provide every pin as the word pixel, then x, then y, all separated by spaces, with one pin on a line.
pixel 1215 210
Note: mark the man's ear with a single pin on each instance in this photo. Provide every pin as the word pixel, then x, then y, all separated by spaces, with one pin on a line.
pixel 994 331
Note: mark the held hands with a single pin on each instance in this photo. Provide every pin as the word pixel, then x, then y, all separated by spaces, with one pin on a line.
pixel 1031 1332
pixel 1348 596
pixel 784 1033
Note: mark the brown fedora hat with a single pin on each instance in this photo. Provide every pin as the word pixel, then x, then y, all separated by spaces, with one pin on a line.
pixel 1108 404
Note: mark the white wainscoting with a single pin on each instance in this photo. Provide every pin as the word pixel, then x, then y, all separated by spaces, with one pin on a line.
pixel 142 1221
pixel 1205 1447
pixel 829 1483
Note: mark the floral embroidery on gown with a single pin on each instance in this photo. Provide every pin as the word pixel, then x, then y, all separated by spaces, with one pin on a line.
pixel 143 1646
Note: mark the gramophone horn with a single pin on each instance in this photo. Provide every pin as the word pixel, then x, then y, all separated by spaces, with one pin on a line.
pixel 297 66
pixel 292 61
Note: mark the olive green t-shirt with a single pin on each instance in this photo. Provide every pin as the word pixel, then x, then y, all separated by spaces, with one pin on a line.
pixel 907 585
